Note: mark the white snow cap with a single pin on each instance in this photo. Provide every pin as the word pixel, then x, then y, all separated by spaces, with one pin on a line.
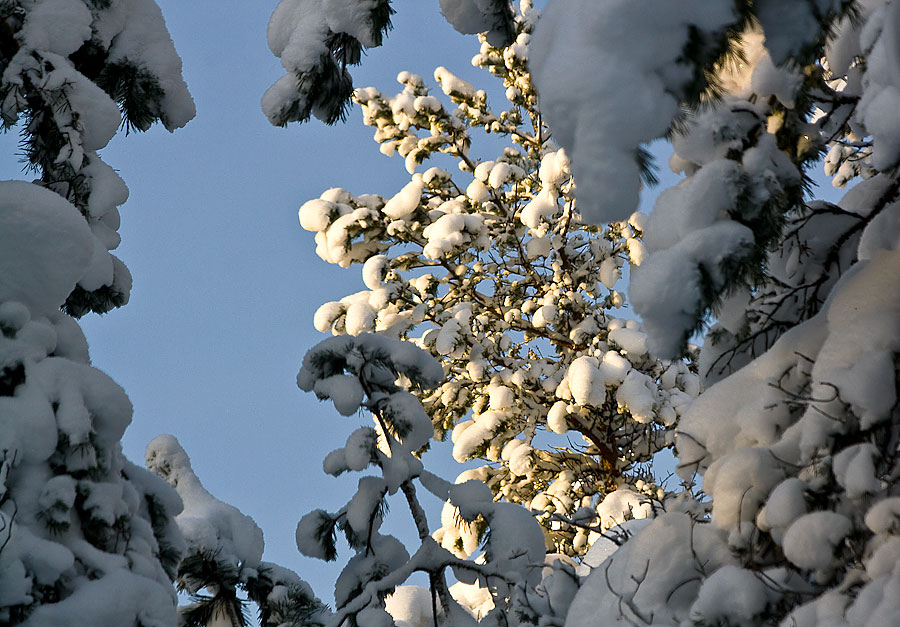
pixel 604 71
pixel 145 41
pixel 45 246
pixel 208 524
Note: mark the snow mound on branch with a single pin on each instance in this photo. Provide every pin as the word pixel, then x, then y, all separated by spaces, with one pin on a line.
pixel 656 573
pixel 881 97
pixel 114 600
pixel 469 17
pixel 344 391
pixel 606 72
pixel 208 524
pixel 410 606
pixel 145 42
pixel 331 356
pixel 730 594
pixel 622 505
pixel 57 26
pixel 46 246
pixel 811 541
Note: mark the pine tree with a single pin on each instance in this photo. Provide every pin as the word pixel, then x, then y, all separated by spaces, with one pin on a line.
pixel 493 271
pixel 79 524
pixel 222 568
pixel 70 72
pixel 86 537
pixel 796 436
pixel 375 373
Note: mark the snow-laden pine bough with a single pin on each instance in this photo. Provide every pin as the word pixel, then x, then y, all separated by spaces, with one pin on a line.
pixel 796 436
pixel 375 373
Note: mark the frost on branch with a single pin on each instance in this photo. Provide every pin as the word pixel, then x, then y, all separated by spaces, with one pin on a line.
pixel 68 496
pixel 490 268
pixel 494 589
pixel 224 555
pixel 71 73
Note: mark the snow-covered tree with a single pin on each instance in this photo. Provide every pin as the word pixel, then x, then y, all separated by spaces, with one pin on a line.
pixel 70 73
pixel 500 587
pixel 493 271
pixel 222 566
pixel 796 437
pixel 86 537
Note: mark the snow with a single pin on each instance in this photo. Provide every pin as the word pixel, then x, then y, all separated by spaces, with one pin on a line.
pixel 317 214
pixel 538 209
pixel 518 455
pixel 46 246
pixel 57 26
pixel 881 97
pixel 556 417
pixel 884 516
pixel 580 50
pixel 208 523
pixel 666 287
pixel 452 85
pixel 144 42
pixel 810 542
pixel 410 606
pixel 386 554
pixel 307 534
pixel 454 230
pixel 118 600
pixel 354 18
pixel 295 33
pixel 732 595
pixel 854 469
pixel 622 505
pixel 405 201
pixel 884 559
pixel 359 510
pixel 60 427
pixel 344 391
pixel 786 503
pixel 326 314
pixel 503 173
pixel 470 497
pixel 739 483
pixel 632 341
pixel 360 448
pixel 466 16
pixel 374 270
pixel 658 577
pixel 637 395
